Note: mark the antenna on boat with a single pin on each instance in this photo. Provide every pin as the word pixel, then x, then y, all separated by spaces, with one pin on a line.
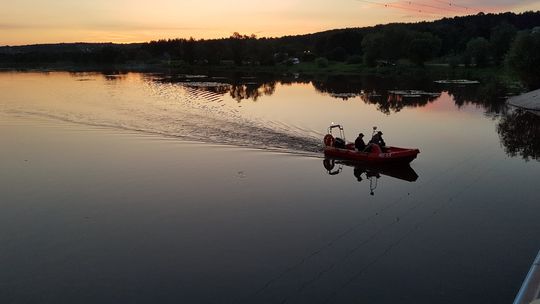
pixel 373 181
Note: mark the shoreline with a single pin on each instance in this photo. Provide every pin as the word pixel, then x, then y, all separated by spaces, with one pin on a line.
pixel 432 70
pixel 498 81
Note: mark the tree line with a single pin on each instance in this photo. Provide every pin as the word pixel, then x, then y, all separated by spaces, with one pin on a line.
pixel 477 40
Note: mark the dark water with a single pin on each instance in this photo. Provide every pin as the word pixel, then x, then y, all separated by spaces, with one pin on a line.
pixel 146 188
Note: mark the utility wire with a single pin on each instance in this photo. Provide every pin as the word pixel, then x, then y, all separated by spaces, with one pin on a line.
pixel 435 7
pixel 408 5
pixel 391 5
pixel 453 4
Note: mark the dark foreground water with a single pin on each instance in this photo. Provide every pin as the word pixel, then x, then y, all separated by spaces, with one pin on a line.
pixel 140 188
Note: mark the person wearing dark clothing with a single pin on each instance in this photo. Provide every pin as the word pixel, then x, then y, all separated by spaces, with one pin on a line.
pixel 359 143
pixel 377 139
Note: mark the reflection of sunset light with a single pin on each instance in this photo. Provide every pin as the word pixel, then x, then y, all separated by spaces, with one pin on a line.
pixel 442 104
pixel 446 104
pixel 26 22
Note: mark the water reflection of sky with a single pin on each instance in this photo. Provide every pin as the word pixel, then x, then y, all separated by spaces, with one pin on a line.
pixel 258 110
pixel 118 188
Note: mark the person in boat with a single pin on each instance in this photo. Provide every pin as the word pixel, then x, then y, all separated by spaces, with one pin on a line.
pixel 359 143
pixel 377 139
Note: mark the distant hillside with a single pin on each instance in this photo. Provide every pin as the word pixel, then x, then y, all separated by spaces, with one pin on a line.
pixel 51 48
pixel 454 32
pixel 480 40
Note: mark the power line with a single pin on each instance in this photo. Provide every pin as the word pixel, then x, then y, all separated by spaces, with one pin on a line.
pixel 390 5
pixel 452 9
pixel 453 4
pixel 435 7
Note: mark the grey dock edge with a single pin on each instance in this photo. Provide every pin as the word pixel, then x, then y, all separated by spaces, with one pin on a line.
pixel 530 289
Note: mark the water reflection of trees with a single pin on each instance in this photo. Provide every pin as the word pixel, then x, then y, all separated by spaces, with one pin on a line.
pixel 239 86
pixel 376 90
pixel 252 90
pixel 370 89
pixel 390 102
pixel 519 131
pixel 341 87
pixel 490 95
pixel 109 75
pixel 114 75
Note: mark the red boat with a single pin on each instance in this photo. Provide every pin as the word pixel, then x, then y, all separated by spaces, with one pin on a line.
pixel 337 147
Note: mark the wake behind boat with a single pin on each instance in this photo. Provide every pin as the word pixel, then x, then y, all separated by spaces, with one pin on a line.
pixel 337 147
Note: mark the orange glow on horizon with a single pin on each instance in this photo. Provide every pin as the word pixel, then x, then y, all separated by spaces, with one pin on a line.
pixel 52 21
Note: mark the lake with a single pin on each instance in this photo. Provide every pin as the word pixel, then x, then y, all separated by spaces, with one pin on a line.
pixel 162 188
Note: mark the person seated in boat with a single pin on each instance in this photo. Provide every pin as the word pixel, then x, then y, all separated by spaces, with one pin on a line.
pixel 359 143
pixel 377 139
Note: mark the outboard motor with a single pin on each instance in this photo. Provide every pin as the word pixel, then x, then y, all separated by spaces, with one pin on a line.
pixel 339 143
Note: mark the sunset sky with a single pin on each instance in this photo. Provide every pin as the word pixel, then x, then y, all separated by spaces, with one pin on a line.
pixel 52 21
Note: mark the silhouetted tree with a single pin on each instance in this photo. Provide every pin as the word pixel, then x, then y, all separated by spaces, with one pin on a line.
pixel 339 54
pixel 212 51
pixel 478 49
pixel 188 48
pixel 350 41
pixel 372 46
pixel 266 56
pixel 238 46
pixel 524 58
pixel 423 47
pixel 109 55
pixel 500 39
pixel 395 43
pixel 321 62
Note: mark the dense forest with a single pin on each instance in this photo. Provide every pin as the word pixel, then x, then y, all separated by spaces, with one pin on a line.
pixel 480 40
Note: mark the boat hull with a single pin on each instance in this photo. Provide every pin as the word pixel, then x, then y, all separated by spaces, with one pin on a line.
pixel 389 155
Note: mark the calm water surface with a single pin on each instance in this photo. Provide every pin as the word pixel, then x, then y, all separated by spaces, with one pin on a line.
pixel 148 188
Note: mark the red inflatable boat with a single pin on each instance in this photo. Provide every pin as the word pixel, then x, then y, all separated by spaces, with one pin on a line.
pixel 337 147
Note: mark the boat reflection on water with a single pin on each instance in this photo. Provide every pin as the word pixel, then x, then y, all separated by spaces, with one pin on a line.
pixel 362 171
